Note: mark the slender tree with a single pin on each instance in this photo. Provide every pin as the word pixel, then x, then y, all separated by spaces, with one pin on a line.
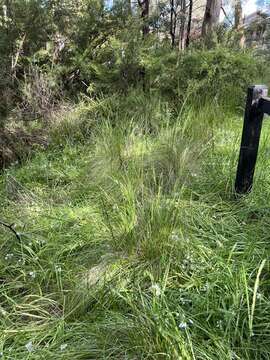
pixel 190 10
pixel 144 6
pixel 182 27
pixel 173 18
pixel 238 22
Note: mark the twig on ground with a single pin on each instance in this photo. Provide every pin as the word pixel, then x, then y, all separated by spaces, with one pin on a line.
pixel 11 228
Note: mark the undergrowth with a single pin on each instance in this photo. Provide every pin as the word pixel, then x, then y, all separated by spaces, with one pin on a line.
pixel 131 243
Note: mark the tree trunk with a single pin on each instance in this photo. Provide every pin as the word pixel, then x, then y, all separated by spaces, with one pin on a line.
pixel 144 5
pixel 129 6
pixel 189 22
pixel 182 25
pixel 211 16
pixel 238 22
pixel 172 22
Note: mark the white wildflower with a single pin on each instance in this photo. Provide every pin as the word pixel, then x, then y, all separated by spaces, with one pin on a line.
pixel 1 354
pixel 9 256
pixel 259 296
pixel 183 325
pixel 29 346
pixel 174 236
pixel 219 324
pixel 155 288
pixel 63 347
pixel 32 274
pixel 58 268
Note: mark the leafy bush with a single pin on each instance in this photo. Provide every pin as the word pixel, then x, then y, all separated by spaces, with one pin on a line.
pixel 203 75
pixel 199 75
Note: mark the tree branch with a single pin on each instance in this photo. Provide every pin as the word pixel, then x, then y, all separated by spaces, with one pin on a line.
pixel 225 14
pixel 11 228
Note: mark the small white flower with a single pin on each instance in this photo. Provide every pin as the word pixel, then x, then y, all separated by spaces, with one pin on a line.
pixel 29 346
pixel 183 325
pixel 174 236
pixel 9 256
pixel 1 354
pixel 63 347
pixel 32 274
pixel 58 268
pixel 219 324
pixel 155 288
pixel 259 296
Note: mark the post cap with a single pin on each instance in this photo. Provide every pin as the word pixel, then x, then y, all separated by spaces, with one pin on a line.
pixel 259 91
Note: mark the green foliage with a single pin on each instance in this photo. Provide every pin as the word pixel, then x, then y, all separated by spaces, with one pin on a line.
pixel 88 48
pixel 203 75
pixel 128 244
pixel 131 244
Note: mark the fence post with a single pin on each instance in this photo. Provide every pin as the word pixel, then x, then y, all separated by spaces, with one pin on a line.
pixel 250 139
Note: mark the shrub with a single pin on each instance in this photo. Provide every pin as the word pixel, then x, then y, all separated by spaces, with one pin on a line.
pixel 203 75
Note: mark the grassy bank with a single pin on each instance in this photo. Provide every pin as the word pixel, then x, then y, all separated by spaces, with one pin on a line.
pixel 130 244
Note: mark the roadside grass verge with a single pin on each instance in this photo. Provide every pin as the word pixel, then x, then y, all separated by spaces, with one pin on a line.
pixel 132 243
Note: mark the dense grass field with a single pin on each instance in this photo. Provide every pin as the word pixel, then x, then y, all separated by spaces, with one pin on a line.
pixel 130 243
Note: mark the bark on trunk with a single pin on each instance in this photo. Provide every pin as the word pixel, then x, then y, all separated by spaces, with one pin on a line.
pixel 182 25
pixel 144 5
pixel 189 22
pixel 211 16
pixel 172 22
pixel 238 22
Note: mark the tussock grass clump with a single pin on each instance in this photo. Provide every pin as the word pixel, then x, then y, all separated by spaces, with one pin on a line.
pixel 132 245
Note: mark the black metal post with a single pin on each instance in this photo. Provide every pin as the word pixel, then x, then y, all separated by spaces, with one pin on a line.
pixel 250 139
